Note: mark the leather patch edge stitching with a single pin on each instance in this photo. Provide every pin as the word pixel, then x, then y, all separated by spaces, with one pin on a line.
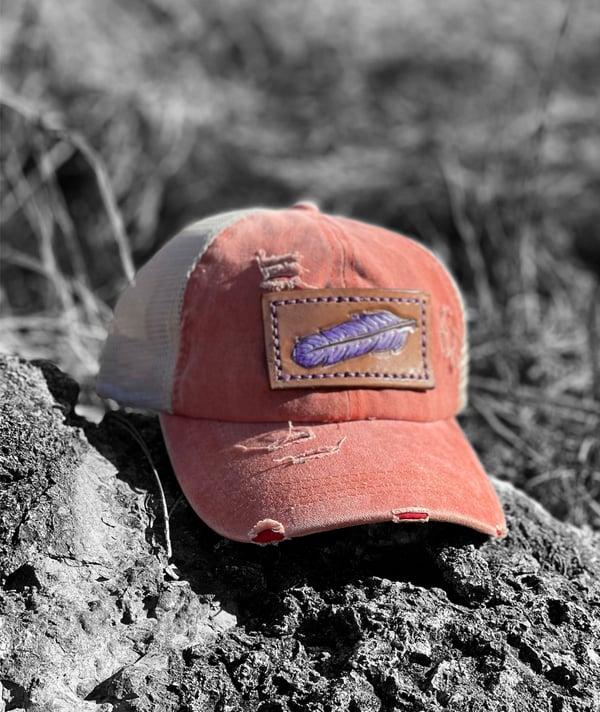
pixel 348 374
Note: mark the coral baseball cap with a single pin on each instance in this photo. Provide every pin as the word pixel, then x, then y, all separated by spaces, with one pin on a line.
pixel 307 370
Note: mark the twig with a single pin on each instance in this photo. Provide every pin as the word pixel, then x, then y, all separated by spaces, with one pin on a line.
pixel 63 220
pixel 451 172
pixel 54 158
pixel 133 431
pixel 545 94
pixel 530 206
pixel 97 166
pixel 110 204
pixel 66 322
pixel 546 477
pixel 40 224
pixel 594 340
pixel 569 404
pixel 505 433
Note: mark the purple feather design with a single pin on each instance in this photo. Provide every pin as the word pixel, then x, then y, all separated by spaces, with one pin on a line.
pixel 365 333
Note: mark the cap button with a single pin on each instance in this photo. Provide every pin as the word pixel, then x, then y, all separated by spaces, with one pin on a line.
pixel 307 205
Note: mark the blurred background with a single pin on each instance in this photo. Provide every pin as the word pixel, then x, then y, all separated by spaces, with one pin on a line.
pixel 470 125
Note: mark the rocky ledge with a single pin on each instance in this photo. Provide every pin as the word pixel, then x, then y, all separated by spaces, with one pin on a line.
pixel 93 616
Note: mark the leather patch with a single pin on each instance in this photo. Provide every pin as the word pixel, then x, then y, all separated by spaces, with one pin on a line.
pixel 367 338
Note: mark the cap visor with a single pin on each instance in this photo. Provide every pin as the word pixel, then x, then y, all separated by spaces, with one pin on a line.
pixel 269 481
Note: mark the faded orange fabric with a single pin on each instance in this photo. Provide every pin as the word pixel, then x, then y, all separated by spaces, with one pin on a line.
pixel 221 368
pixel 237 475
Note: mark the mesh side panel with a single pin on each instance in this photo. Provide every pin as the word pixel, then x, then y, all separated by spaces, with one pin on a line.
pixel 463 382
pixel 463 376
pixel 141 350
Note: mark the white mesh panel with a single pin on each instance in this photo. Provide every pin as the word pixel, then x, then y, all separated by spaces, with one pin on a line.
pixel 463 377
pixel 141 350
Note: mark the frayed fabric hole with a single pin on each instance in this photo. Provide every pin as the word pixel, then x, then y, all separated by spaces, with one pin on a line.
pixel 280 284
pixel 280 272
pixel 267 531
pixel 293 435
pixel 418 516
pixel 315 454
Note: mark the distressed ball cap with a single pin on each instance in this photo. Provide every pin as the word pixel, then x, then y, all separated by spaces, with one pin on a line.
pixel 307 370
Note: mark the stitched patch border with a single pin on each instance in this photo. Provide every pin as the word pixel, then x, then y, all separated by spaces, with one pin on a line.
pixel 296 316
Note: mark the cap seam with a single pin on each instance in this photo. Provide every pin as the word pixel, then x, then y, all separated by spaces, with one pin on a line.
pixel 183 347
pixel 337 234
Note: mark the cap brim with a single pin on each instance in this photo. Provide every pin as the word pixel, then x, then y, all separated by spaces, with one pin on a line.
pixel 269 481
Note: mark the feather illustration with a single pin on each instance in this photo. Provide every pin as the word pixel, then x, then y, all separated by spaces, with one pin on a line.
pixel 364 333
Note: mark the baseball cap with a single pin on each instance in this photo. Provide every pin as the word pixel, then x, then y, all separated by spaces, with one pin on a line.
pixel 307 370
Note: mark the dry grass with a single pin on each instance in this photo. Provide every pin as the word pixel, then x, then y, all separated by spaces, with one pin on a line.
pixel 469 124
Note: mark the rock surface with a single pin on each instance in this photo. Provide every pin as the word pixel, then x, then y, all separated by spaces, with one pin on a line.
pixel 92 617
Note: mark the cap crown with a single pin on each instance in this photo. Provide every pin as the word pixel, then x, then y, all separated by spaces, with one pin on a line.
pixel 188 337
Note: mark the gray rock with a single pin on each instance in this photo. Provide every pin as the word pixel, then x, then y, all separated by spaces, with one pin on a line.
pixel 94 617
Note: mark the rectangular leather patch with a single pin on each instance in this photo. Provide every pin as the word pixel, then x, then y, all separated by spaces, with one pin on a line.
pixel 362 338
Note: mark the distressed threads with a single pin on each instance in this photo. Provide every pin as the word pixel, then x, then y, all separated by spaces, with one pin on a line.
pixel 278 271
pixel 315 454
pixel 292 436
